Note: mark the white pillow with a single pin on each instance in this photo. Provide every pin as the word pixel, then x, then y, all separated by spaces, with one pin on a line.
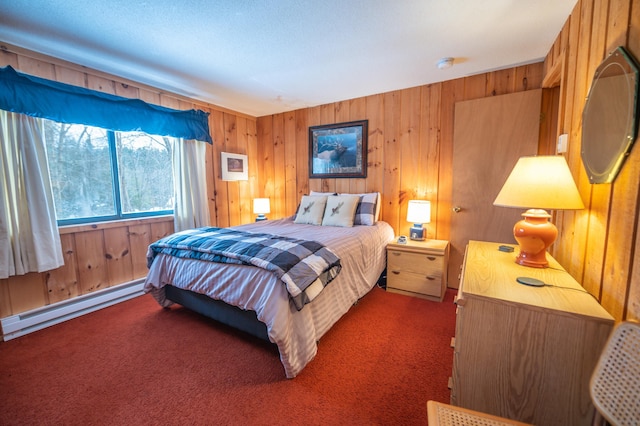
pixel 311 209
pixel 340 210
pixel 368 209
pixel 322 193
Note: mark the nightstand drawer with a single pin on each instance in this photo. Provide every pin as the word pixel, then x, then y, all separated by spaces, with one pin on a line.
pixel 430 284
pixel 426 264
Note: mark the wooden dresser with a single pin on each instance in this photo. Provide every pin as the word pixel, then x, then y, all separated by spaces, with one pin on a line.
pixel 523 352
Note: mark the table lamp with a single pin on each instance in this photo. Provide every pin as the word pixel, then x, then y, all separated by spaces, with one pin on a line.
pixel 261 206
pixel 538 183
pixel 418 212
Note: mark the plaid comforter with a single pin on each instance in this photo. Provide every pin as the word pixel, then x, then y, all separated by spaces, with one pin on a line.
pixel 305 267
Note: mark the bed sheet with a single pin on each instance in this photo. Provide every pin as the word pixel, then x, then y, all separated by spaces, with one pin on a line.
pixel 361 249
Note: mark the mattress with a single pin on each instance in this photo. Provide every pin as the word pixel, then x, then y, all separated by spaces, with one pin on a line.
pixel 362 253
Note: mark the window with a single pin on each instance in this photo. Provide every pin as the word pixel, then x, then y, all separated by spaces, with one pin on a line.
pixel 99 174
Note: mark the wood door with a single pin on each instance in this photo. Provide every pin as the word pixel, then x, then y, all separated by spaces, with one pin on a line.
pixel 490 135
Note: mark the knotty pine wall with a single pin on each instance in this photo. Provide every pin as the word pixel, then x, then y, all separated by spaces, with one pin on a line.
pixel 107 254
pixel 410 154
pixel 599 246
pixel 410 144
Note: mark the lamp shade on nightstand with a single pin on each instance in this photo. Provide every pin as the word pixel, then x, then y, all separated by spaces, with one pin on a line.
pixel 538 183
pixel 261 207
pixel 418 212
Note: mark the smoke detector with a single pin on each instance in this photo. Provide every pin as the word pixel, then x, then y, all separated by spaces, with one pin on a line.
pixel 445 63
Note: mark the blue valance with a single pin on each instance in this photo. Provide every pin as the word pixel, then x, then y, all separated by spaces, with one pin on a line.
pixel 65 103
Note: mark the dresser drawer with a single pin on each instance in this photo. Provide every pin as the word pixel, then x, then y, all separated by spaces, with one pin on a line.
pixel 430 284
pixel 426 264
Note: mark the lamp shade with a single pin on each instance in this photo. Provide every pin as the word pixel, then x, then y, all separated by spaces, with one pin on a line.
pixel 541 182
pixel 261 206
pixel 419 211
pixel 538 183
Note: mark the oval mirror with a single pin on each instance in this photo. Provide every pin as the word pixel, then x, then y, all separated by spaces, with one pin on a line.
pixel 609 117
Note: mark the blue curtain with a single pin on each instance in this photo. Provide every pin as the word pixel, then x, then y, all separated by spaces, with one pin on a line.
pixel 69 104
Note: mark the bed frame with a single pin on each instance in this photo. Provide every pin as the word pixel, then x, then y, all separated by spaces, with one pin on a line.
pixel 232 316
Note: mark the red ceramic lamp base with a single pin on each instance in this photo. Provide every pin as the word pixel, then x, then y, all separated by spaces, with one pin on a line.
pixel 534 235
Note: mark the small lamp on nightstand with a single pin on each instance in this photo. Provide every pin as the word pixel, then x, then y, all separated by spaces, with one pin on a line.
pixel 418 212
pixel 538 183
pixel 261 206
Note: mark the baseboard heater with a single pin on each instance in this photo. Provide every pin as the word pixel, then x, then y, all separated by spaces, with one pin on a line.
pixel 37 319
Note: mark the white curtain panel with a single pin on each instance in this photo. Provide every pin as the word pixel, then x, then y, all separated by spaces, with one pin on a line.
pixel 190 182
pixel 29 237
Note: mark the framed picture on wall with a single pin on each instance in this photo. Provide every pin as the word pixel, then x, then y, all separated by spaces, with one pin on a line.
pixel 234 166
pixel 338 150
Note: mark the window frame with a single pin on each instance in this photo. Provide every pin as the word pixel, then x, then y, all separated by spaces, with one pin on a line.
pixel 117 199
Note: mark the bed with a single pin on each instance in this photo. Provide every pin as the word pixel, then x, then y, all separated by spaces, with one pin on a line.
pixel 257 301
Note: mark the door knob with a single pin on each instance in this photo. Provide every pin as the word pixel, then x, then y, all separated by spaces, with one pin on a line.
pixel 456 209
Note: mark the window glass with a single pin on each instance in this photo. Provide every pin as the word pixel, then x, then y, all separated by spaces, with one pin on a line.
pixel 144 165
pixel 97 174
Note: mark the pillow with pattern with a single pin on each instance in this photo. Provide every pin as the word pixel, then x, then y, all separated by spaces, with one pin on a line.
pixel 311 209
pixel 368 209
pixel 340 210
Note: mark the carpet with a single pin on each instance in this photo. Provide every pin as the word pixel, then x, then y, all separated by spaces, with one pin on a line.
pixel 136 363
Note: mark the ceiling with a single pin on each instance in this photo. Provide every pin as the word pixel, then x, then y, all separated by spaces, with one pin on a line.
pixel 266 57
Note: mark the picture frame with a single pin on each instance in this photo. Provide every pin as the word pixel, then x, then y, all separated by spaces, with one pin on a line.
pixel 338 150
pixel 234 166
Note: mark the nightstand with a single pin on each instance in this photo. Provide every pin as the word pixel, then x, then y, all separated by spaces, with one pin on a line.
pixel 418 268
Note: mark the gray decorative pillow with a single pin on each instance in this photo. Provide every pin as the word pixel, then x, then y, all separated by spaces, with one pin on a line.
pixel 340 210
pixel 311 209
pixel 368 209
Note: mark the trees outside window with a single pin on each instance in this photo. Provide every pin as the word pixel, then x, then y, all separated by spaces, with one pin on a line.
pixel 99 174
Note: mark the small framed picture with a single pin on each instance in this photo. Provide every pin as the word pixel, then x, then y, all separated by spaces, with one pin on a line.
pixel 338 150
pixel 234 166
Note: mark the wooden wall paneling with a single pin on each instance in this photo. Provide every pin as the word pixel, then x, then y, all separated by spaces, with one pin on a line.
pixel 233 187
pixel 290 164
pixel 211 168
pixel 5 299
pixel 245 200
pixel 633 43
pixel 221 190
pixel 62 283
pixel 265 149
pixel 528 77
pixel 358 111
pixel 452 91
pixel 500 82
pixel 8 58
pixel 161 230
pixel 618 24
pixel 624 196
pixel 36 67
pixel 302 157
pixel 27 292
pixel 592 222
pixel 342 115
pixel 314 119
pixel 92 268
pixel 375 149
pixel 117 252
pixel 412 184
pixel 70 76
pixel 139 240
pixel 430 154
pixel 328 116
pixel 279 203
pixel 254 177
pixel 101 84
pixel 475 87
pixel 392 159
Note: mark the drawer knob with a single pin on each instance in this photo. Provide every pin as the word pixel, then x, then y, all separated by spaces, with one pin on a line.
pixel 430 278
pixel 395 253
pixel 432 258
pixel 395 272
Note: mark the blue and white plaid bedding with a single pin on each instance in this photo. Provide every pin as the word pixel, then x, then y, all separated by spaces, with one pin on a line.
pixel 305 267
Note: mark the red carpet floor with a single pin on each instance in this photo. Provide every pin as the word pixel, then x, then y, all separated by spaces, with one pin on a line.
pixel 138 364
